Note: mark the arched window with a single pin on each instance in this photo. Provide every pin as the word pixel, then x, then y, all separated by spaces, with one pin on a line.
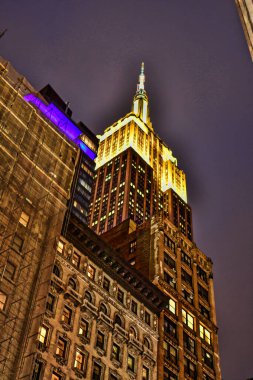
pixel 103 308
pixel 56 271
pixel 132 332
pixel 88 296
pixel 118 320
pixel 146 343
pixel 72 283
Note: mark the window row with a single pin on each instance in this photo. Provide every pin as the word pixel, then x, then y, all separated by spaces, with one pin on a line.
pixel 171 328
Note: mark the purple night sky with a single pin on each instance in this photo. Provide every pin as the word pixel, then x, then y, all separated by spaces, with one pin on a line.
pixel 199 78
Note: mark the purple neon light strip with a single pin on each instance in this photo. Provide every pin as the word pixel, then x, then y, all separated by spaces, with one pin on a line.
pixel 62 122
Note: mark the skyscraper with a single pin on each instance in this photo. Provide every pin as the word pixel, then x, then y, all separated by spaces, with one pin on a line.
pixel 245 9
pixel 140 207
pixel 136 171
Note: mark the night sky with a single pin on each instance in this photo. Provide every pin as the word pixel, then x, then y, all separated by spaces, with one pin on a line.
pixel 199 79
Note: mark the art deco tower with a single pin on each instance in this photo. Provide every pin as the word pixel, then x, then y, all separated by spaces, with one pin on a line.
pixel 140 208
pixel 137 174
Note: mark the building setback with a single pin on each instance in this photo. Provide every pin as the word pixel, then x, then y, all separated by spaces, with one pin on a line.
pixel 140 208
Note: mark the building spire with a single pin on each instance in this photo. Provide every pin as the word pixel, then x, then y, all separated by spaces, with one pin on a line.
pixel 140 85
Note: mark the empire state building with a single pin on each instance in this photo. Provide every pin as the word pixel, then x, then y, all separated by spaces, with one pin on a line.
pixel 137 175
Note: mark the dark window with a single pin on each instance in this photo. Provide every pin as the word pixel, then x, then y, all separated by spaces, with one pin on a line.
pixel 88 297
pixel 130 363
pixel 100 340
pixel 186 259
pixel 66 315
pixel 170 280
pixel 56 271
pixel 207 358
pixel 189 343
pixel 190 368
pixel 50 302
pixel 97 372
pixel 55 376
pixel 187 296
pixel 37 371
pixel 103 308
pixel 169 261
pixel 17 243
pixel 116 352
pixel 146 343
pixel 203 292
pixel 106 284
pixel 202 274
pixel 120 296
pixel 170 352
pixel 170 327
pixel 118 320
pixel 186 277
pixel 134 307
pixel 204 311
pixel 169 375
pixel 61 347
pixel 169 243
pixel 72 284
pixel 147 318
pixel 10 270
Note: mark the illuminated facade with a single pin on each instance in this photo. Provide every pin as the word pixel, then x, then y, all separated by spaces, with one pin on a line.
pixel 134 169
pixel 245 8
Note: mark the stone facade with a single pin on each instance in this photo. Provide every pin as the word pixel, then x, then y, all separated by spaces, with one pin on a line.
pixel 94 325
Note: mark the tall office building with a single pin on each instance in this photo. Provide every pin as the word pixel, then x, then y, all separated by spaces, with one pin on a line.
pixel 136 172
pixel 140 208
pixel 245 9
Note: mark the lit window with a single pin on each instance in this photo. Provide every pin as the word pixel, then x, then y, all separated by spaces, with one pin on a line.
pixel 83 328
pixel 130 363
pixel 55 376
pixel 17 243
pixel 172 306
pixel 43 334
pixel 91 272
pixel 79 360
pixel 24 219
pixel 75 260
pixel 3 299
pixel 188 319
pixel 66 315
pixel 10 270
pixel 207 358
pixel 133 246
pixel 60 246
pixel 145 373
pixel 205 334
pixel 61 347
pixel 115 352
